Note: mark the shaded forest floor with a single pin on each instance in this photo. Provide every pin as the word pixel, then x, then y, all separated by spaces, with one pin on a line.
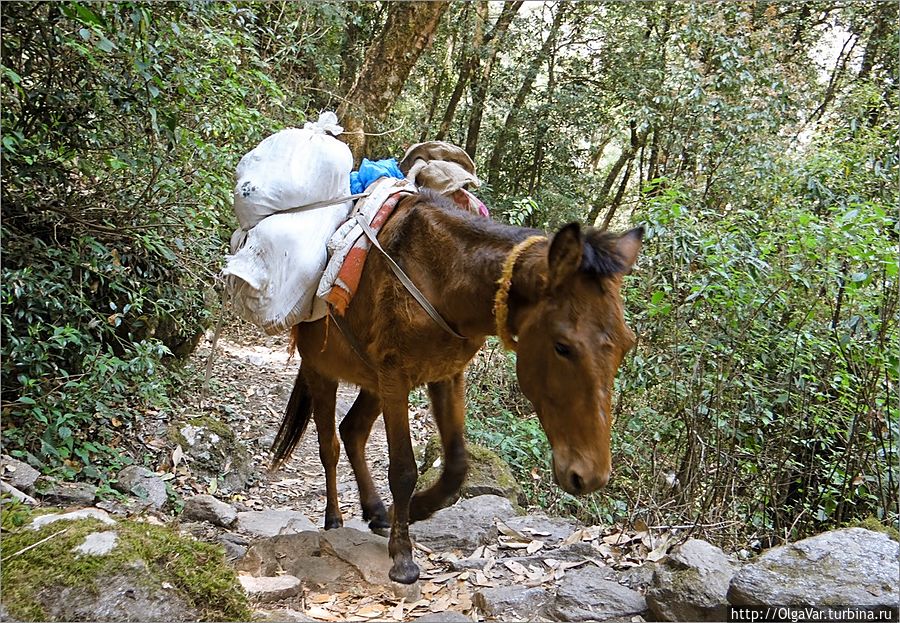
pixel 251 381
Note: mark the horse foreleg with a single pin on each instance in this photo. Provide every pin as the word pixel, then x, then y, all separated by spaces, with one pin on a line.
pixel 355 429
pixel 402 475
pixel 448 407
pixel 323 392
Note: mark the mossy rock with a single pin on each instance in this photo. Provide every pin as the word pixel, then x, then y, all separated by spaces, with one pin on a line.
pixel 488 474
pixel 152 573
pixel 214 451
pixel 871 523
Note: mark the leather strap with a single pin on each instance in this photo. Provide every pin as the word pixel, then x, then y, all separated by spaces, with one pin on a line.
pixel 406 281
pixel 344 328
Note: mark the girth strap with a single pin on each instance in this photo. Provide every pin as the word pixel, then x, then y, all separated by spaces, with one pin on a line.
pixel 406 281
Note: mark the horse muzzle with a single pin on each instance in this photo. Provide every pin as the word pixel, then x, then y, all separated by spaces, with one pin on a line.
pixel 577 479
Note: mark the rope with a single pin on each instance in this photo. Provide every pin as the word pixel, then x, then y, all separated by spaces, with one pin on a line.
pixel 501 299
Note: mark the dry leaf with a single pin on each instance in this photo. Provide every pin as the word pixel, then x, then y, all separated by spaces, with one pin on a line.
pixel 177 455
pixel 510 532
pixel 534 546
pixel 440 605
pixel 397 612
pixel 640 525
pixel 317 612
pixel 320 598
pixel 515 567
pixel 440 579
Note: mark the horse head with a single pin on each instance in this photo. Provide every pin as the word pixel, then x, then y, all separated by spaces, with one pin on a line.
pixel 572 337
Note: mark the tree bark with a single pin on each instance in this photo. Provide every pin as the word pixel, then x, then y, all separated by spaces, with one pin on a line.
pixel 482 78
pixel 408 31
pixel 512 117
pixel 627 155
pixel 467 66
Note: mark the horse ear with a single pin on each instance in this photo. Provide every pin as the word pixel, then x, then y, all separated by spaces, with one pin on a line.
pixel 564 256
pixel 628 246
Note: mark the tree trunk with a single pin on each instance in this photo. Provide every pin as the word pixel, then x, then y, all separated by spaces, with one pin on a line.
pixel 466 67
pixel 482 78
pixel 408 30
pixel 512 117
pixel 627 155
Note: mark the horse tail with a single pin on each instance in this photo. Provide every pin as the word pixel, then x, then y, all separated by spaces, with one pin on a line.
pixel 296 419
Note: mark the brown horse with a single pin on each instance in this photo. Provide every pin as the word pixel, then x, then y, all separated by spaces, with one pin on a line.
pixel 560 297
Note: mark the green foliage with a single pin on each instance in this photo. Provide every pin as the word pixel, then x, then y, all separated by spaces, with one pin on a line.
pixel 197 571
pixel 122 126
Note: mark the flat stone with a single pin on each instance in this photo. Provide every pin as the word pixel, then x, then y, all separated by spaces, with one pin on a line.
pixel 365 551
pixel 85 513
pixel 691 583
pixel 849 566
pixel 20 475
pixel 299 555
pixel 281 615
pixel 209 509
pixel 448 616
pixel 69 494
pixel 550 530
pixel 124 594
pixel 274 523
pixel 270 588
pixel 21 496
pixel 97 544
pixel 517 603
pixel 143 484
pixel 585 595
pixel 463 526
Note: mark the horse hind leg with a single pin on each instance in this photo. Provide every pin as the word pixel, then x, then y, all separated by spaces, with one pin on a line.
pixel 448 406
pixel 323 394
pixel 355 429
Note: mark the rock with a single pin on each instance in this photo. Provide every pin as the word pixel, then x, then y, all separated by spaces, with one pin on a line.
pixel 517 603
pixel 214 451
pixel 142 483
pixel 850 566
pixel 19 475
pixel 301 556
pixel 207 508
pixel 464 526
pixel 85 513
pixel 267 588
pixel 448 616
pixel 366 552
pixel 584 595
pixel 550 530
pixel 281 615
pixel 273 523
pixel 691 583
pixel 97 544
pixel 68 494
pixel 138 572
pixel 24 498
pixel 235 546
pixel 123 595
pixel 488 474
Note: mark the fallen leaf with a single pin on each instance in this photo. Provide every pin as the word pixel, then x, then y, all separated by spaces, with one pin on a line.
pixel 397 612
pixel 177 455
pixel 515 567
pixel 534 546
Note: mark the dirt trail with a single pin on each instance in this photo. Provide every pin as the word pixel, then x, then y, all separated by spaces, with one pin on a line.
pixel 250 384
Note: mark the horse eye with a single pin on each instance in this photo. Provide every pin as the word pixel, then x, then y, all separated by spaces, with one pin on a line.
pixel 562 350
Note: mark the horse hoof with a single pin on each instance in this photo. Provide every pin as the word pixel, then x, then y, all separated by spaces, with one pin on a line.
pixel 334 522
pixel 404 572
pixel 380 526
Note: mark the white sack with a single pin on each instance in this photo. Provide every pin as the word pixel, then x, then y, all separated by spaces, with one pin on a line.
pixel 292 168
pixel 278 258
pixel 272 279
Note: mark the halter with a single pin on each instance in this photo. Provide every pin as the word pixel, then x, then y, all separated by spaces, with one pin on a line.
pixel 501 299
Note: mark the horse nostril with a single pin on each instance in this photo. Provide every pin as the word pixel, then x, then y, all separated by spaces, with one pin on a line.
pixel 577 482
